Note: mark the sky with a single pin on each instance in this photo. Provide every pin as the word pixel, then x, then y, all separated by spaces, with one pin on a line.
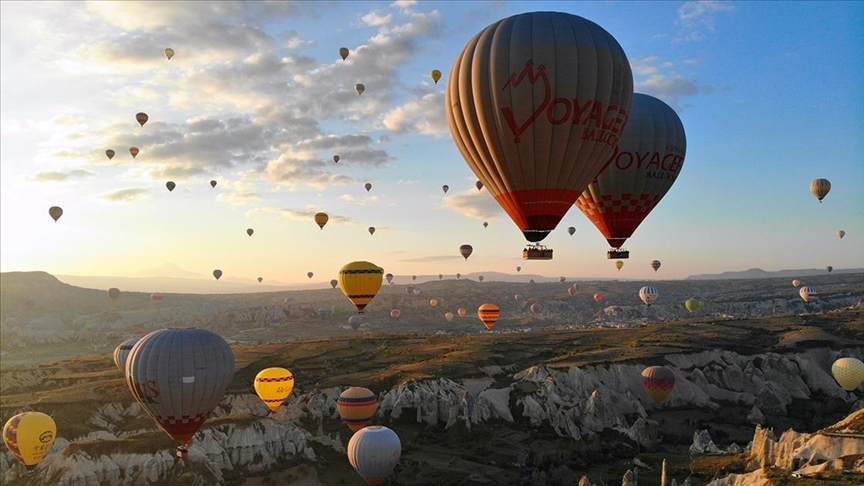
pixel 257 98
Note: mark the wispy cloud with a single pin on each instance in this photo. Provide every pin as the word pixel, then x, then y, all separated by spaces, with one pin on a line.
pixel 300 214
pixel 472 204
pixel 425 116
pixel 696 18
pixel 124 195
pixel 58 176
pixel 238 199
pixel 660 78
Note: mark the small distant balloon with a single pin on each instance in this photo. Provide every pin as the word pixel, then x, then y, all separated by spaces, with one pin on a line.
pixel 445 188
pixel 480 278
pixel 518 269
pixel 249 231
pixel 371 230
pixel 170 185
pixel 849 373
pixel 648 294
pixel 142 118
pixel 336 159
pixel 458 276
pixel 359 88
pixel 489 314
pixel 436 75
pixel 389 277
pixel 343 52
pixel 466 250
pixel 395 313
pixel 260 279
pixel 655 265
pixel 368 186
pixel 273 385
pixel 414 277
pixel 619 265
pixel 169 53
pixel 416 291
pixel 807 293
pixel 440 276
pixel 658 383
pixel 571 230
pixel 355 321
pixel 217 273
pixel 485 224
pixel 334 283
pixel 598 298
pixel 462 312
pixel 213 184
pixel 433 302
pixel 309 274
pixel 134 151
pixel 796 283
pixel 110 154
pixel 692 305
pixel 321 219
pixel 841 234
pixel 478 185
pixel 55 212
pixel 356 406
pixel 820 188
pixel 571 291
pixel 829 268
pixel 562 279
pixel 155 297
pixel 113 293
pixel 449 316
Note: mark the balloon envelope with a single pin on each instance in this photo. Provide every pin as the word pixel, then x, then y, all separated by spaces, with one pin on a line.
pixel 598 298
pixel 462 312
pixel 110 154
pixel 820 188
pixel 466 250
pixel 336 159
pixel 658 383
pixel 849 373
pixel 169 53
pixel 655 264
pixel 170 185
pixel 55 212
pixel 571 230
pixel 433 302
pixel 321 219
pixel 395 313
pixel 334 283
pixel 371 230
pixel 796 283
pixel 619 265
pixel 212 183
pixel 273 385
pixel 536 103
pixel 489 314
pixel 360 282
pixel 249 231
pixel 807 293
pixel 356 406
pixel 359 88
pixel 648 294
pixel 445 188
pixel 121 353
pixel 389 277
pixel 449 316
pixel 260 279
pixel 643 168
pixel 374 452
pixel 141 118
pixel 29 436
pixel 829 268
pixel 841 234
pixel 113 293
pixel 217 273
pixel 368 186
pixel 355 322
pixel 134 151
pixel 155 297
pixel 343 52
pixel 179 376
pixel 436 75
pixel 692 305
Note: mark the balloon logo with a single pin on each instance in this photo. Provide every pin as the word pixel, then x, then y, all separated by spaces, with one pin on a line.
pixel 169 53
pixel 658 383
pixel 55 212
pixel 374 452
pixel 141 118
pixel 466 250
pixel 343 52
pixel 321 219
pixel 359 88
pixel 217 273
pixel 121 353
pixel 655 265
pixel 110 154
pixel 113 293
pixel 436 75
pixel 820 188
pixel 170 185
pixel 489 314
pixel 516 83
pixel 29 436
pixel 648 295
pixel 360 282
pixel 849 373
pixel 273 385
pixel 249 231
pixel 356 406
pixel 134 151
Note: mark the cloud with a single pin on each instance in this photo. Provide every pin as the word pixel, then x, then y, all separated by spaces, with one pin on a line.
pixel 425 116
pixel 472 204
pixel 124 195
pixel 657 77
pixel 696 18
pixel 374 20
pixel 302 214
pixel 430 259
pixel 668 88
pixel 57 176
pixel 238 198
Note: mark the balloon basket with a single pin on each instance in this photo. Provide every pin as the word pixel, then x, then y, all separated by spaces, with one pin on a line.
pixel 617 254
pixel 537 252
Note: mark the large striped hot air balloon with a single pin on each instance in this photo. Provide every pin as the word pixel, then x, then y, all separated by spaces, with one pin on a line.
pixel 178 377
pixel 820 188
pixel 536 104
pixel 807 293
pixel 360 282
pixel 357 406
pixel 374 453
pixel 489 314
pixel 273 385
pixel 646 163
pixel 29 436
pixel 121 353
pixel 849 372
pixel 648 294
pixel 658 382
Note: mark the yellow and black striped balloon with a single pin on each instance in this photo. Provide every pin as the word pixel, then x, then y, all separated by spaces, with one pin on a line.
pixel 488 313
pixel 360 282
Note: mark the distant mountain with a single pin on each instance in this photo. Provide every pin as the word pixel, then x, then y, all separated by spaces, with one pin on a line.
pixel 200 285
pixel 166 269
pixel 759 273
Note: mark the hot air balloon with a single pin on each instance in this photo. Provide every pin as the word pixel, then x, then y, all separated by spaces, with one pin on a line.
pixel 389 277
pixel 449 316
pixel 518 269
pixel 416 291
pixel 829 268
pixel 249 231
pixel 535 308
pixel 488 313
pixel 141 118
pixel 796 283
pixel 466 250
pixel 458 276
pixel 409 289
pixel 321 219
pixel 841 234
pixel 658 382
pixel 414 278
pixel 178 377
pixel 807 293
pixel 395 313
pixel 571 230
pixel 169 53
pixel 849 373
pixel 213 184
pixel 336 159
pixel 485 224
pixel 436 75
pixel 110 154
pixel 309 274
pixel 440 276
pixel 368 186
pixel 480 278
pixel 113 293
pixel 561 279
pixel 134 151
pixel 155 297
pixel 598 298
pixel 260 279
pixel 217 273
pixel 170 185
pixel 355 321
pixel 571 291
pixel 445 188
pixel 371 230
pixel 273 385
pixel 820 188
pixel 356 406
pixel 648 294
pixel 619 265
pixel 462 312
pixel 655 264
pixel 516 297
pixel 360 282
pixel 374 452
pixel 334 283
pixel 121 353
pixel 55 212
pixel 359 88
pixel 536 103
pixel 691 305
pixel 343 52
pixel 433 302
pixel 29 436
pixel 478 185
pixel 647 162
